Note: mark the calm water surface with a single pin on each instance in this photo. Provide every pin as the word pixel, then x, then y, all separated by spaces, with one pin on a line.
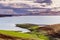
pixel 8 23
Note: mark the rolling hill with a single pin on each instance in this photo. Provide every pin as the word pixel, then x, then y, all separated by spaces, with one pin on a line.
pixel 13 35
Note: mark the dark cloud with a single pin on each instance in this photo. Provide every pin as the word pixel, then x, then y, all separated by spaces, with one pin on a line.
pixel 25 9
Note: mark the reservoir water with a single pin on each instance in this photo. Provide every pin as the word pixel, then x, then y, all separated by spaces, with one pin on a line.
pixel 8 23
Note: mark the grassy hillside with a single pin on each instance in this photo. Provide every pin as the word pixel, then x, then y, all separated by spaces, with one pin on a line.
pixel 23 35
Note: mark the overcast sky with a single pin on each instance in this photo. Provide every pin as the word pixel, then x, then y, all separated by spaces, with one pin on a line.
pixel 55 3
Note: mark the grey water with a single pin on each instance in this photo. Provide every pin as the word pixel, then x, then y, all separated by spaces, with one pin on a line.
pixel 8 23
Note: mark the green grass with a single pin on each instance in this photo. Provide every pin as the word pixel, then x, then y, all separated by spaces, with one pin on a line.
pixel 17 34
pixel 23 35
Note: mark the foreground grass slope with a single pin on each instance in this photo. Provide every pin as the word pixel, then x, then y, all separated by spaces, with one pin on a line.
pixel 16 34
pixel 23 35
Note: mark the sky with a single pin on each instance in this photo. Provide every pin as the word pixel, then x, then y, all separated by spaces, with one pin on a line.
pixel 9 7
pixel 55 3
